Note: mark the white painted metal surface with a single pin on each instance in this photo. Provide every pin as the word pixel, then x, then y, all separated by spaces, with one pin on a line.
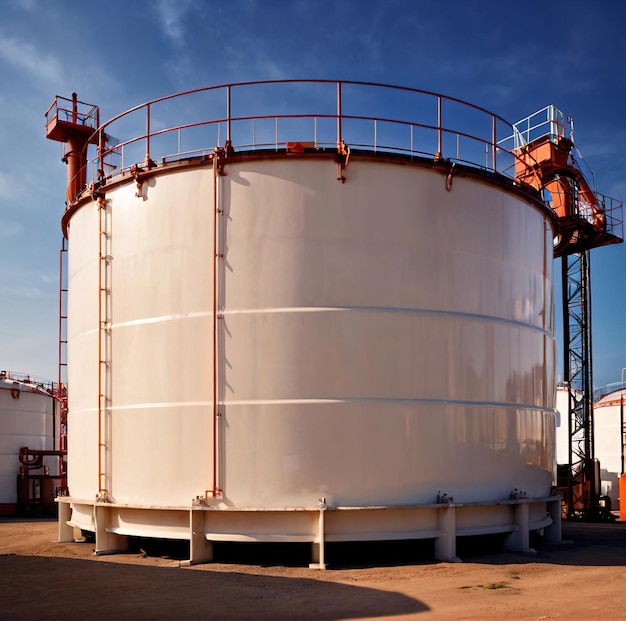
pixel 382 335
pixel 607 420
pixel 26 419
pixel 608 443
pixel 379 342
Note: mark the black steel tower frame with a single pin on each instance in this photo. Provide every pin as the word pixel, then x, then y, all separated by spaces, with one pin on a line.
pixel 577 342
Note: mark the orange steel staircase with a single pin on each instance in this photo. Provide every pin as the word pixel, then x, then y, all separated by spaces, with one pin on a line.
pixel 549 162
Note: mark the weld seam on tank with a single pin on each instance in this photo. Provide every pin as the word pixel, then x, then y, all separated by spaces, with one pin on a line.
pixel 142 406
pixel 311 309
pixel 485 404
pixel 383 400
pixel 386 309
pixel 162 318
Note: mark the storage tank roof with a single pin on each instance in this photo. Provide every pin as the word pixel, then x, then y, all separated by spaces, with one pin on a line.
pixel 612 397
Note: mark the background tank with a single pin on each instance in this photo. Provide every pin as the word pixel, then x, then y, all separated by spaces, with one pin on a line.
pixel 310 342
pixel 608 443
pixel 27 419
pixel 607 423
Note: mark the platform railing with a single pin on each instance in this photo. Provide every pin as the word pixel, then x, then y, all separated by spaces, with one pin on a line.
pixel 36 382
pixel 549 121
pixel 607 389
pixel 259 115
pixel 63 109
pixel 613 212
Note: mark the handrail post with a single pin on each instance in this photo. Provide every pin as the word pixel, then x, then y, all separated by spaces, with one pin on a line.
pixel 339 112
pixel 493 143
pixel 147 134
pixel 621 428
pixel 439 130
pixel 228 137
pixel 101 145
pixel 74 108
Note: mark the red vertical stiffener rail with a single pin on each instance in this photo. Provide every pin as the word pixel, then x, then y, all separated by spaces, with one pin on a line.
pixel 216 414
pixel 103 333
pixel 100 395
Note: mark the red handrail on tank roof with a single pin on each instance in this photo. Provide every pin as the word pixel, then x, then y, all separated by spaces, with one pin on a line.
pixel 492 144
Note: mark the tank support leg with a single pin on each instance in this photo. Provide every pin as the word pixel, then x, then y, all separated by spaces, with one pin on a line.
pixel 107 542
pixel 519 540
pixel 317 555
pixel 445 544
pixel 66 532
pixel 553 532
pixel 200 550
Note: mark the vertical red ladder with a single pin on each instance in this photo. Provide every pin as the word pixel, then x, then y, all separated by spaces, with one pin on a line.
pixel 62 378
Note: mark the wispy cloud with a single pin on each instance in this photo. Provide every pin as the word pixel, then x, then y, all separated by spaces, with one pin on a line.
pixel 26 59
pixel 26 5
pixel 170 14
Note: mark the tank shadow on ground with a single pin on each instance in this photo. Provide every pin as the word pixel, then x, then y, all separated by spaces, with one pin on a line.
pixel 52 588
pixel 579 538
pixel 607 541
pixel 338 555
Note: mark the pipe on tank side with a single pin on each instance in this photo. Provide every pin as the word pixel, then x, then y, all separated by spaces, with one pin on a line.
pixel 75 157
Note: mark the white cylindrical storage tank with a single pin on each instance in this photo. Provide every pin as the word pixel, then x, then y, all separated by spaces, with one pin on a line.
pixel 27 418
pixel 262 339
pixel 608 437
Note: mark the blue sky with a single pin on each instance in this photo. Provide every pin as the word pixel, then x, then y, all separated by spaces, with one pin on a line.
pixel 512 58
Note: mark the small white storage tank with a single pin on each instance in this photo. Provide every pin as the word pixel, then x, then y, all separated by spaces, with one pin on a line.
pixel 607 437
pixel 309 343
pixel 27 418
pixel 608 440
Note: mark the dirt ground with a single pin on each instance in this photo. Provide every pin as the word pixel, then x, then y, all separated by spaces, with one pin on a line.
pixel 42 579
